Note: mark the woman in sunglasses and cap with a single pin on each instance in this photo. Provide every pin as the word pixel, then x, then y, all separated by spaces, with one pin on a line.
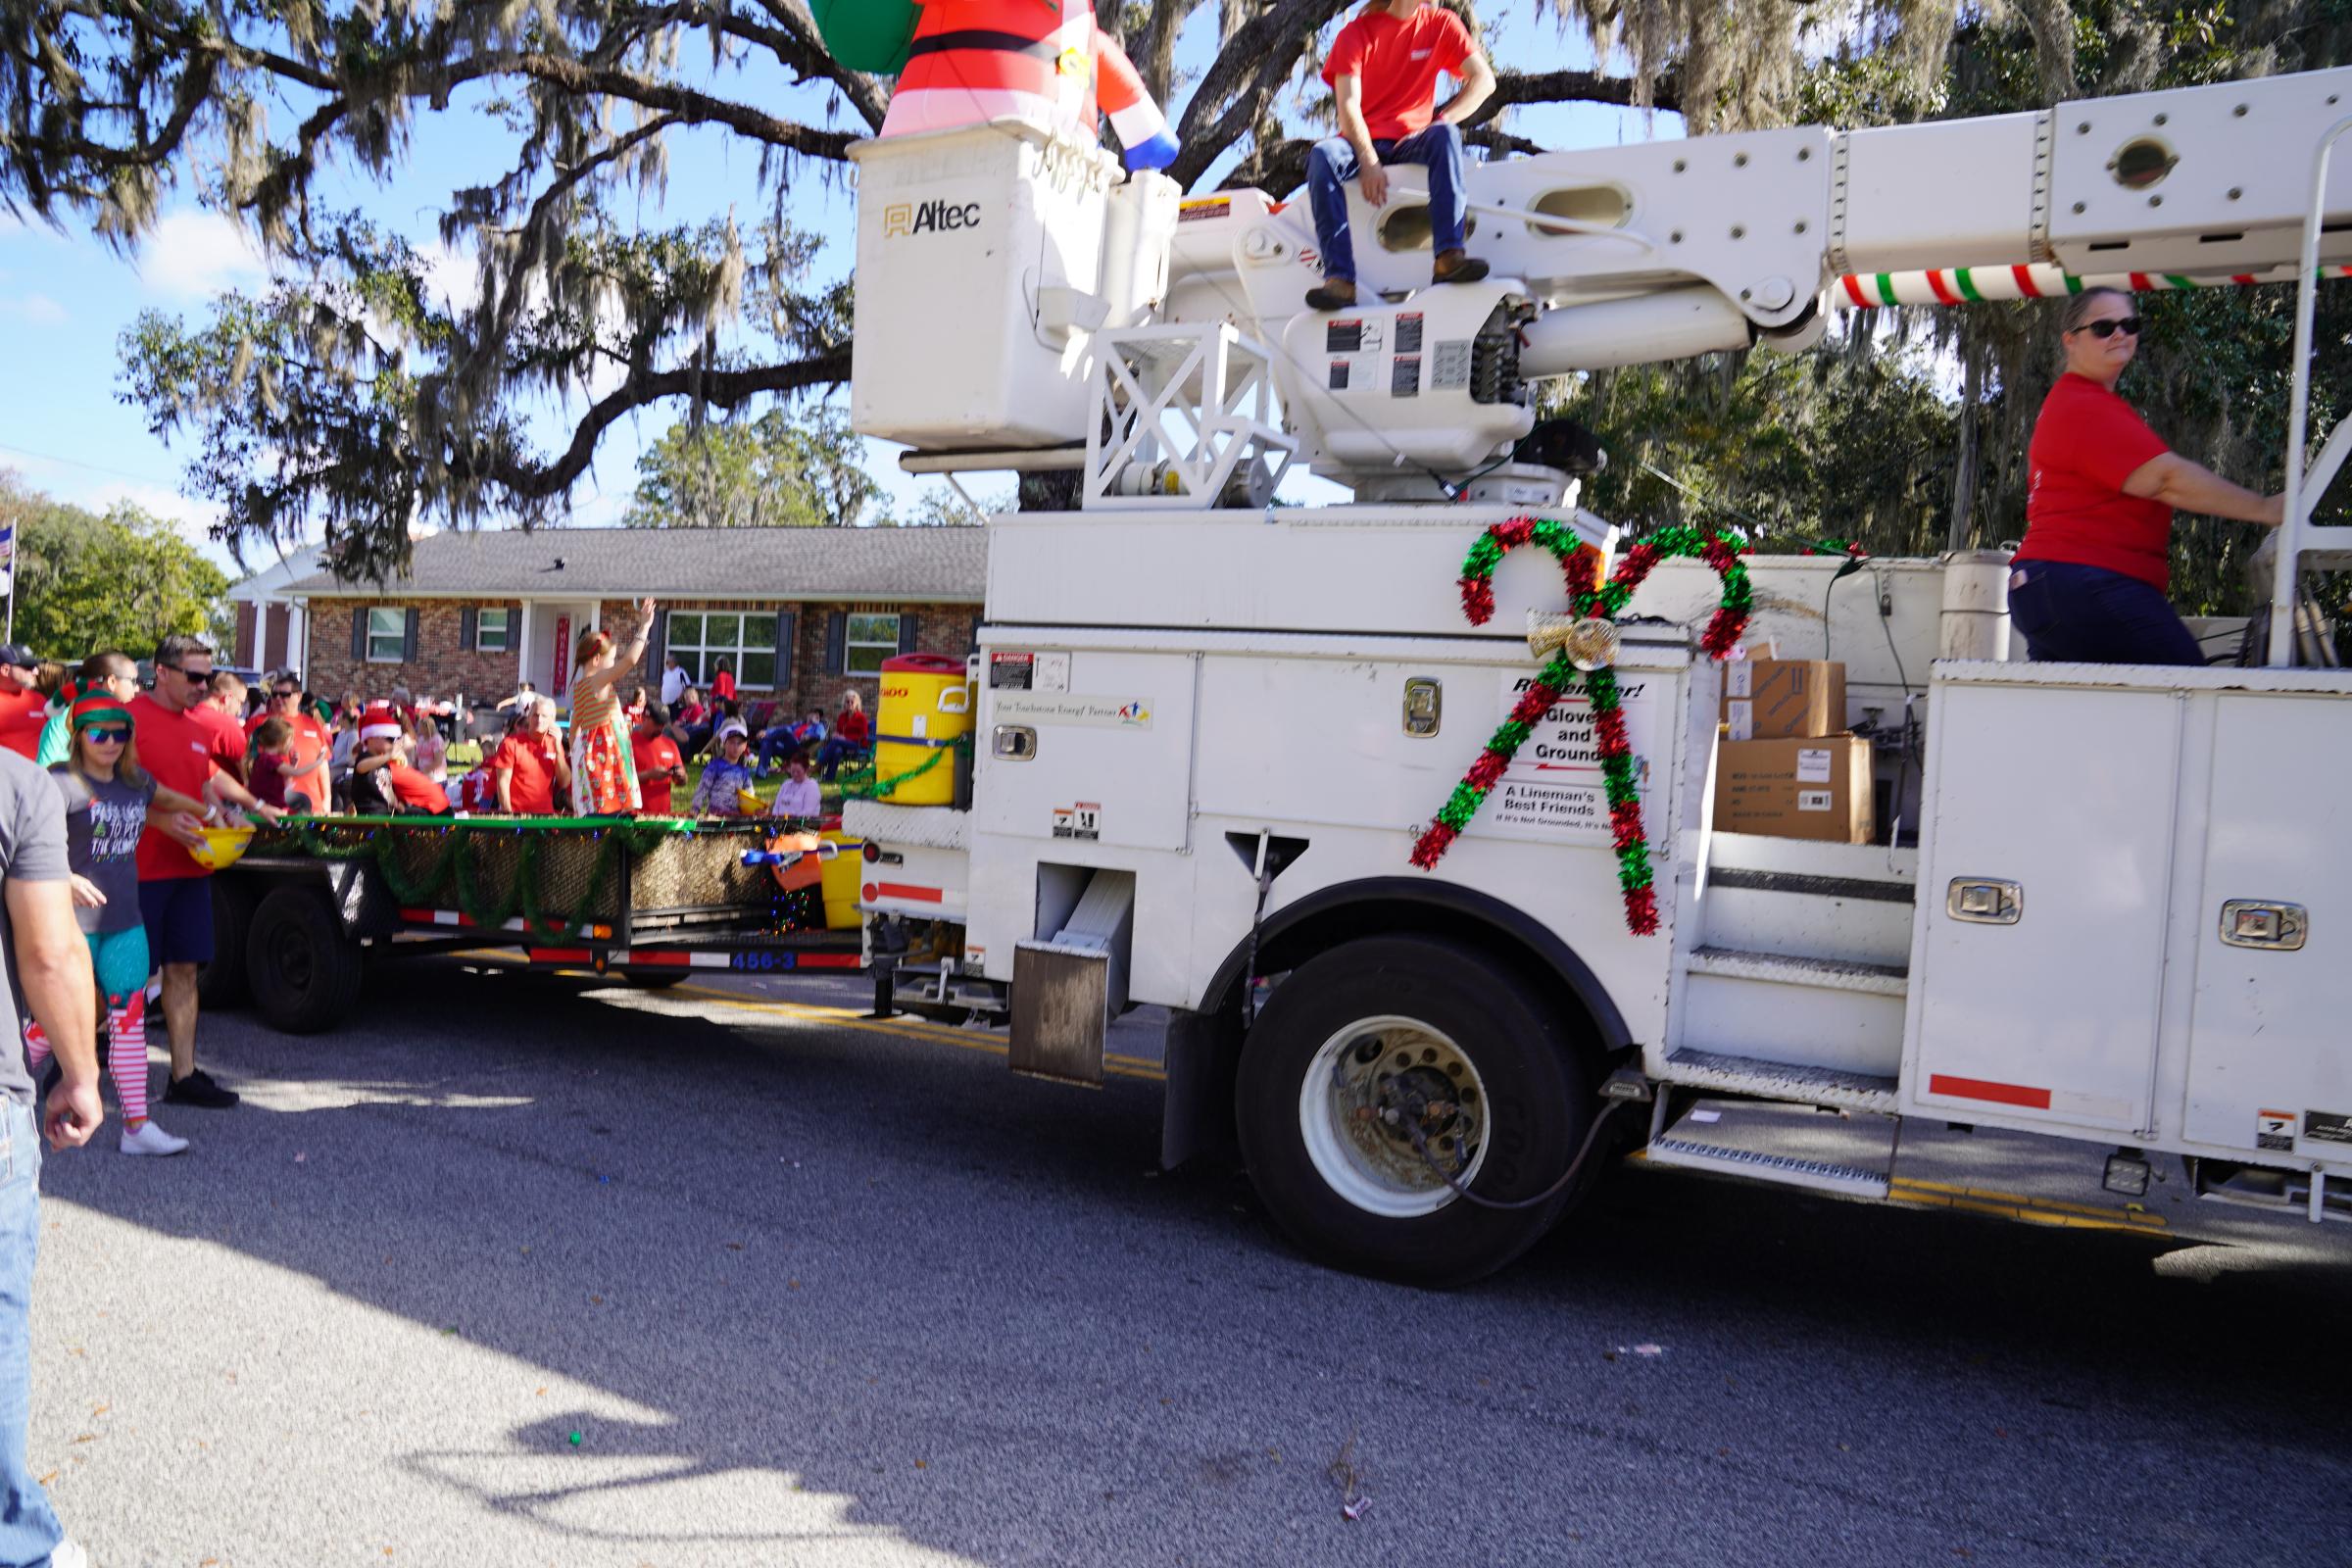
pixel 2088 584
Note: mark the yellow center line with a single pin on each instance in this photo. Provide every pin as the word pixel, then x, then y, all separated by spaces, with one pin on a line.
pixel 1932 1190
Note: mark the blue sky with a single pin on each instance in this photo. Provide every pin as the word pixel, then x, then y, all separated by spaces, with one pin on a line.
pixel 65 297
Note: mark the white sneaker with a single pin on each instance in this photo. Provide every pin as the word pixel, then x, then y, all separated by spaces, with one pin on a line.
pixel 149 1138
pixel 68 1554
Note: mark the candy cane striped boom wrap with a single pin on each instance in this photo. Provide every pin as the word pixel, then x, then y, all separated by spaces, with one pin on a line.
pixel 1962 285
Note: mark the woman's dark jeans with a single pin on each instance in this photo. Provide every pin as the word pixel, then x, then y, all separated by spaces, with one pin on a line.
pixel 2073 615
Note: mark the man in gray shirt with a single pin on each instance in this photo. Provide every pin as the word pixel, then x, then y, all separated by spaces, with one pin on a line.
pixel 37 928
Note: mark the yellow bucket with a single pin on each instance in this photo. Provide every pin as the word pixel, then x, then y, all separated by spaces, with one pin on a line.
pixel 845 877
pixel 223 847
pixel 925 709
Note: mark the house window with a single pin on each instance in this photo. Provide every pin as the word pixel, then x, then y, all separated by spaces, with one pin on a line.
pixel 387 635
pixel 872 639
pixel 701 638
pixel 491 633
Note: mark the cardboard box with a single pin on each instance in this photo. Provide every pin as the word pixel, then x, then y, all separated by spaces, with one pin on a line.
pixel 1812 787
pixel 1767 698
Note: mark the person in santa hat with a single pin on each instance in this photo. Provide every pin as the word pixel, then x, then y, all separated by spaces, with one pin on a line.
pixel 381 777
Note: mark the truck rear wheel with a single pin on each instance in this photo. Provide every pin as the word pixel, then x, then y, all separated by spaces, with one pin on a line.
pixel 1365 1044
pixel 305 971
pixel 222 984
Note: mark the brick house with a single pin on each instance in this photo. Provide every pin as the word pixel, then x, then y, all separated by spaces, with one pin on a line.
pixel 803 614
pixel 269 632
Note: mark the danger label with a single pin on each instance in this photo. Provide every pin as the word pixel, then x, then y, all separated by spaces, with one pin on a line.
pixel 2274 1129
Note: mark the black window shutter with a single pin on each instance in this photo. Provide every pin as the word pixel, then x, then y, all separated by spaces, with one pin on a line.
pixel 837 643
pixel 358 633
pixel 466 631
pixel 907 632
pixel 407 637
pixel 657 643
pixel 787 629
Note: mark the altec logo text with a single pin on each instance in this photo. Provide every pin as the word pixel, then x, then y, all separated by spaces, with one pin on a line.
pixel 931 218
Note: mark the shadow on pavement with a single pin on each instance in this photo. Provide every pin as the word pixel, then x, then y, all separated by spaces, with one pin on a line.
pixel 823 1265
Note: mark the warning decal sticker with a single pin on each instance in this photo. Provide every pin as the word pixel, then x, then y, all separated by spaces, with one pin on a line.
pixel 2327 1127
pixel 2274 1129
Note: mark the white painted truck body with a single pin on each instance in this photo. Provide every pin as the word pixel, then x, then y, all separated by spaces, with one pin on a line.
pixel 2107 908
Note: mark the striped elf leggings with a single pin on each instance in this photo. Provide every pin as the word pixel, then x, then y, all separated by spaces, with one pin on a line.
pixel 120 961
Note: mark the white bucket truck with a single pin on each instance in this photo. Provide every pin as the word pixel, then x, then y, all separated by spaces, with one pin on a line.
pixel 2108 905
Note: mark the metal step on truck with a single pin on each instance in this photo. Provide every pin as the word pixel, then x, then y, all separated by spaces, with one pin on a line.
pixel 1414 829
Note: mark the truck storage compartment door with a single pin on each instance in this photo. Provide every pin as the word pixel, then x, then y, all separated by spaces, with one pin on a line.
pixel 2044 880
pixel 2268 1071
pixel 1098 752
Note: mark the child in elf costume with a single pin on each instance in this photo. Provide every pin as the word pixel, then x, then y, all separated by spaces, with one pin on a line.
pixel 974 60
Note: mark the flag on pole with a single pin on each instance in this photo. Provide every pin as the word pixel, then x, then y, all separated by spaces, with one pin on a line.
pixel 8 543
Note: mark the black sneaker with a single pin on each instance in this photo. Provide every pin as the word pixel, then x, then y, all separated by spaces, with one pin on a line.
pixel 198 1088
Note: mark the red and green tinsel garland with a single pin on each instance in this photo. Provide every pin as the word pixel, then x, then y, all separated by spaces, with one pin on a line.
pixel 1580 566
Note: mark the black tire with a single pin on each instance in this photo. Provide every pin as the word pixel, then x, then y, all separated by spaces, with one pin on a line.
pixel 1539 1105
pixel 222 984
pixel 305 972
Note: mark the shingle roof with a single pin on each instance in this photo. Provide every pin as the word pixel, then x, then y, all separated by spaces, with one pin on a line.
pixel 927 564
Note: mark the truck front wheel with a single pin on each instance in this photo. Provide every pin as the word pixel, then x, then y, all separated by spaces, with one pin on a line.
pixel 305 971
pixel 1388 1076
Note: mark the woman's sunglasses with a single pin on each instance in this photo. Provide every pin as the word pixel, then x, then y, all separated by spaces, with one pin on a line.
pixel 107 737
pixel 2128 325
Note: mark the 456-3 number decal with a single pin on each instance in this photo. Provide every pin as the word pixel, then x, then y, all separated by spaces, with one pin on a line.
pixel 760 959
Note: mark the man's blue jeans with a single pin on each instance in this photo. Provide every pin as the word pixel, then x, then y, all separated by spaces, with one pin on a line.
pixel 28 1527
pixel 1333 164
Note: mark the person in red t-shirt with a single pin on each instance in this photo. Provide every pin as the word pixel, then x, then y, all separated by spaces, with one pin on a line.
pixel 529 767
pixel 224 710
pixel 23 710
pixel 175 894
pixel 2088 586
pixel 307 751
pixel 659 768
pixel 1383 71
pixel 851 737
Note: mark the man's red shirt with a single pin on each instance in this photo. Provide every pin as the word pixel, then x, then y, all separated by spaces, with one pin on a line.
pixel 182 750
pixel 531 790
pixel 414 790
pixel 232 734
pixel 2086 442
pixel 1399 60
pixel 652 756
pixel 22 714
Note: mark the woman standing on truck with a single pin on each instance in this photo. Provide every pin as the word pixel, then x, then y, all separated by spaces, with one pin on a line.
pixel 604 774
pixel 2088 584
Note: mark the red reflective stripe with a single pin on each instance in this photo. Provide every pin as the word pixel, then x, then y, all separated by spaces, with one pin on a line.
pixel 1985 1089
pixel 559 954
pixel 830 960
pixel 901 889
pixel 2140 283
pixel 2241 277
pixel 675 960
pixel 2025 281
pixel 1853 291
pixel 423 915
pixel 1943 294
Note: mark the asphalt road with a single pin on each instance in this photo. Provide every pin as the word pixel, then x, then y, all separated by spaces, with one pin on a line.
pixel 526 1269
